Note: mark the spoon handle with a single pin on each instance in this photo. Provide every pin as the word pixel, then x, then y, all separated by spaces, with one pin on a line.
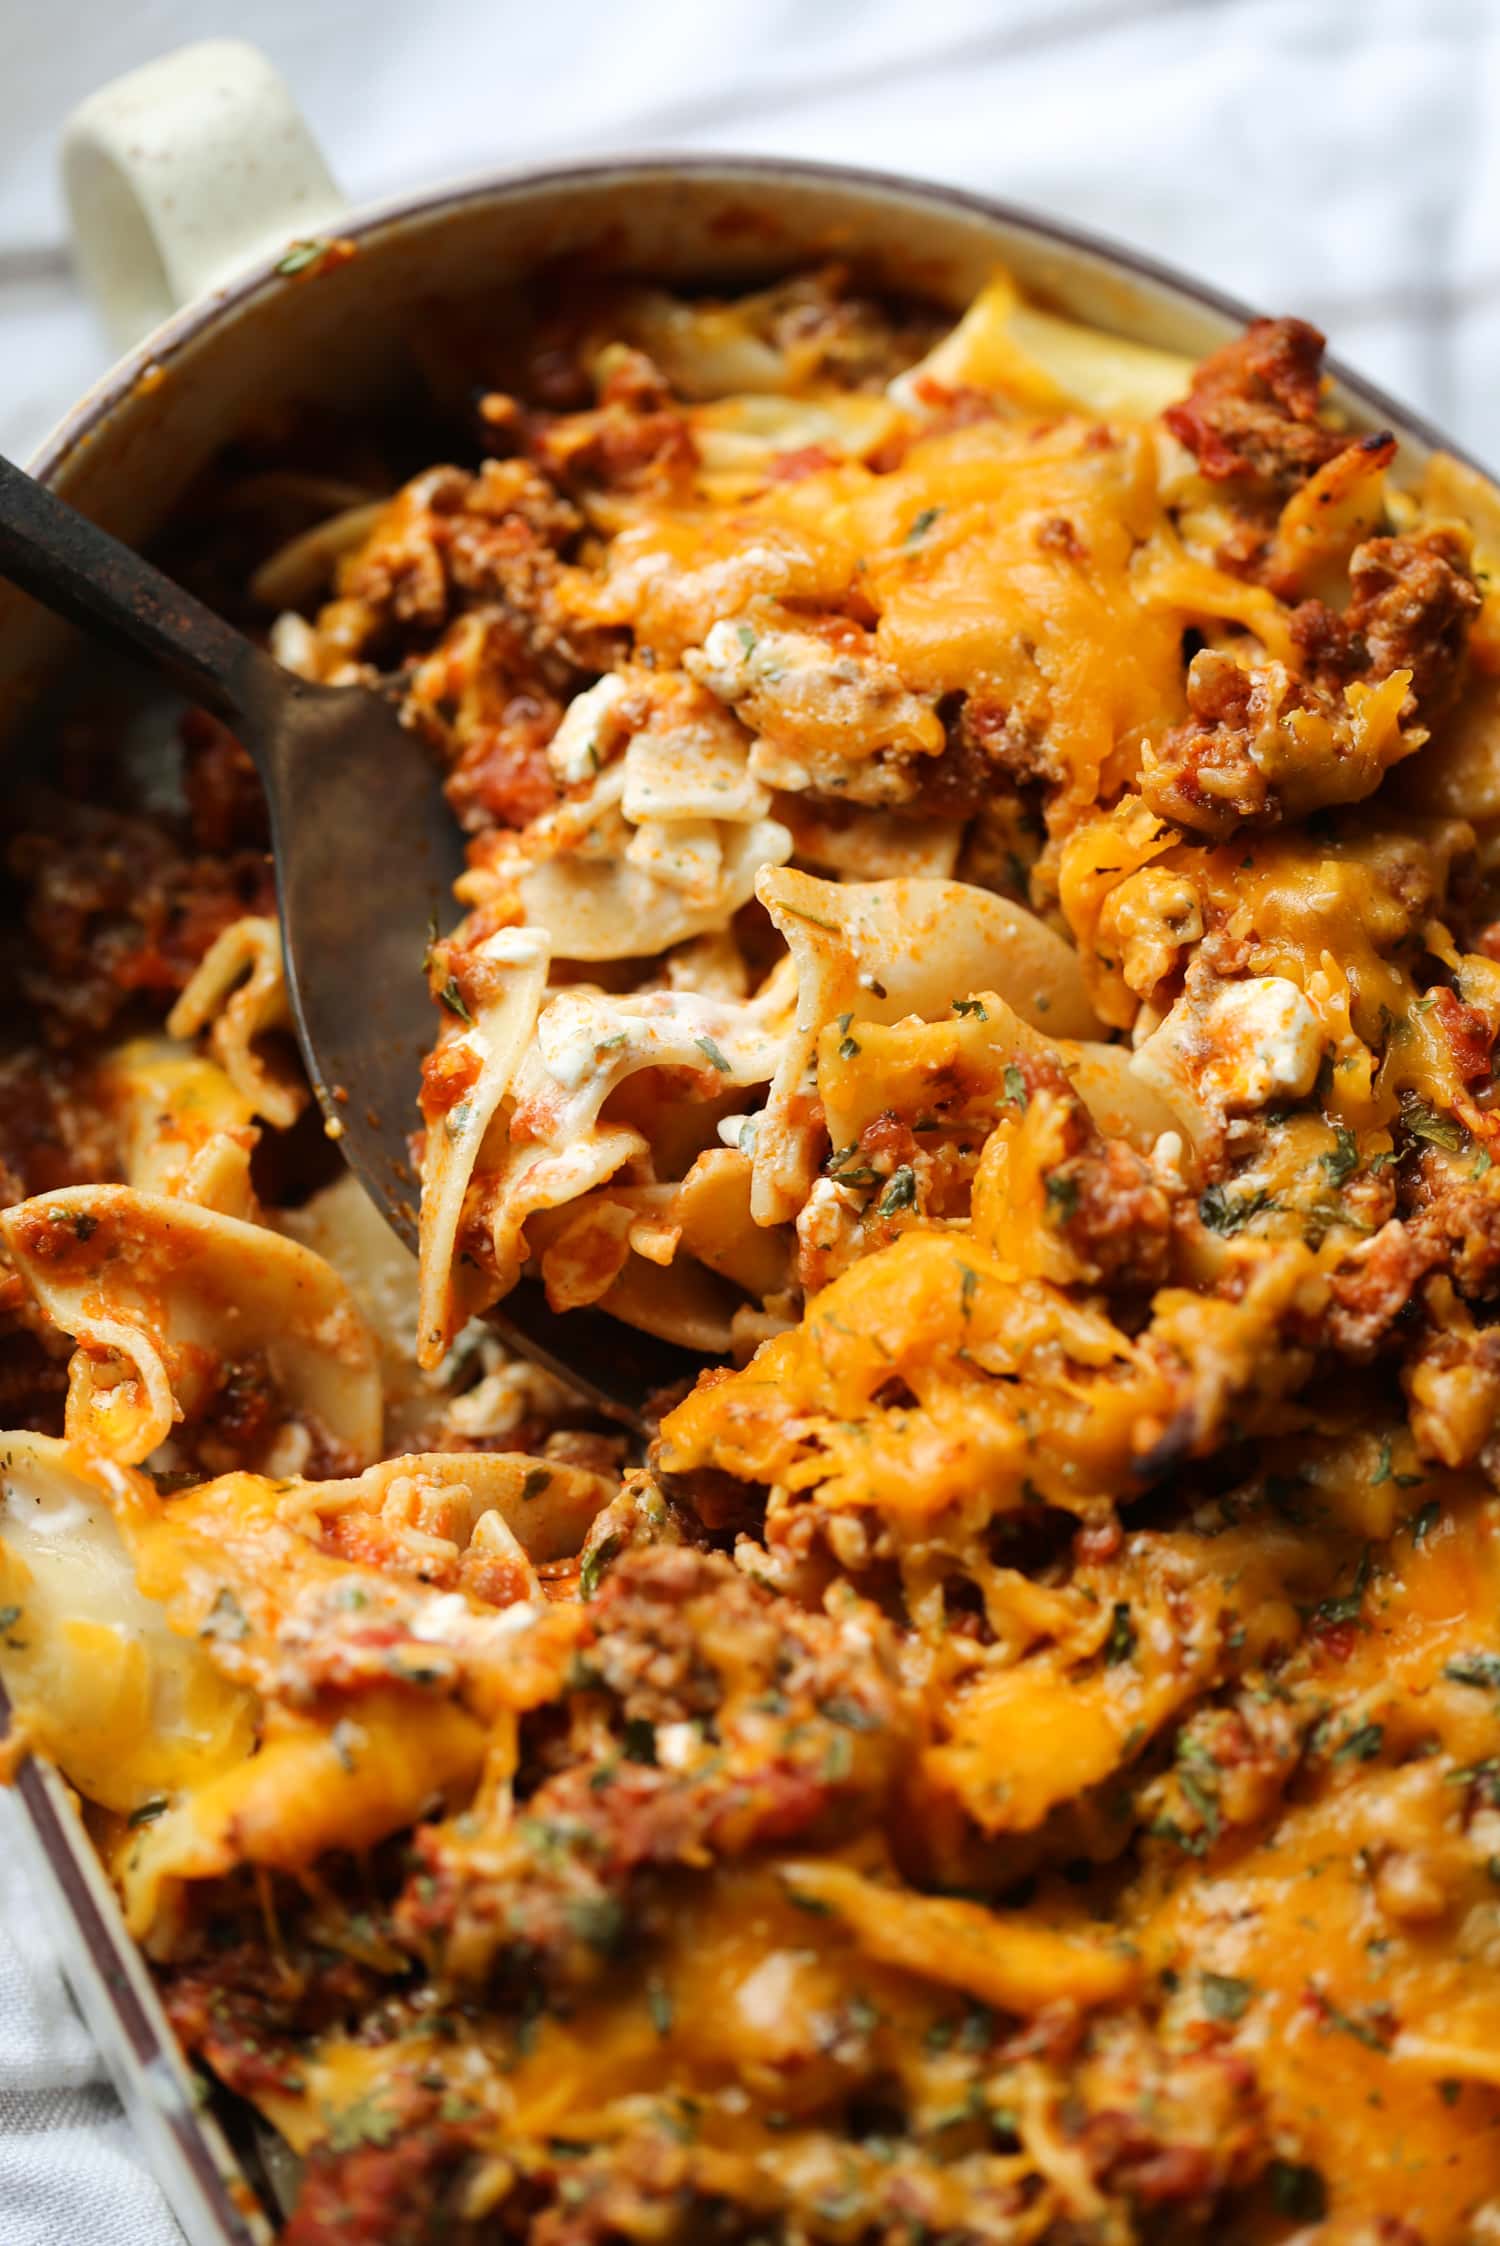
pixel 72 566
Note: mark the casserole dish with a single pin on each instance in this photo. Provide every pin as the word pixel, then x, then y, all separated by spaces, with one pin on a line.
pixel 326 325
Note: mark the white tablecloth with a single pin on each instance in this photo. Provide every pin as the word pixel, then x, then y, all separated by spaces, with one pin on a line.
pixel 1335 158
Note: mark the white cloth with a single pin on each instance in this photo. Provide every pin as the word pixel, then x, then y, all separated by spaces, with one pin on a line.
pixel 70 2171
pixel 1325 157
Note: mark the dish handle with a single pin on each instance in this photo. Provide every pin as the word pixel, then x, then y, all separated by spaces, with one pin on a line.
pixel 183 173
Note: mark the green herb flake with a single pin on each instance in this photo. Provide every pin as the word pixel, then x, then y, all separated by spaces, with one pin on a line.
pixel 453 998
pixel 841 1708
pixel 711 1052
pixel 300 256
pixel 1120 1644
pixel 659 2005
pixel 1062 1197
pixel 1349 1606
pixel 148 1812
pixel 1362 1744
pixel 814 1905
pixel 1225 1212
pixel 1425 1520
pixel 537 1479
pixel 596 1563
pixel 364 2123
pixel 901 1193
pixel 1343 1161
pixel 1015 1086
pixel 1372 2030
pixel 598 1920
pixel 640 1740
pixel 921 524
pixel 1225 1996
pixel 1168 1829
pixel 226 1618
pixel 1297 2190
pixel 1479 1669
pixel 1427 1122
pixel 974 1006
pixel 746 639
pixel 1486 1774
pixel 838 1758
pixel 968 1287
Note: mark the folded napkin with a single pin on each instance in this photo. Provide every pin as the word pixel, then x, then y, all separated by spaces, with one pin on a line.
pixel 1327 157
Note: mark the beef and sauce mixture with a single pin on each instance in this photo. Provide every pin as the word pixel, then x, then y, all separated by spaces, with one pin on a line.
pixel 982 919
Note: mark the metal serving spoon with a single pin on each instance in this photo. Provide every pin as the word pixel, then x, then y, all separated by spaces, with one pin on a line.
pixel 366 853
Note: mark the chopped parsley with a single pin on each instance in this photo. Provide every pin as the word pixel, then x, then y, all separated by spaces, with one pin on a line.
pixel 1297 2190
pixel 1425 1520
pixel 838 1758
pixel 1225 1995
pixel 1362 1744
pixel 364 2123
pixel 1479 1669
pixel 598 1920
pixel 1349 1605
pixel 1486 1774
pixel 921 524
pixel 1225 1212
pixel 712 1054
pixel 148 1812
pixel 79 1222
pixel 1120 1644
pixel 596 1563
pixel 1383 1471
pixel 1429 1123
pixel 901 1193
pixel 814 1905
pixel 974 1006
pixel 1373 2029
pixel 1062 1197
pixel 1015 1086
pixel 839 1708
pixel 538 1478
pixel 453 998
pixel 659 2005
pixel 1198 1776
pixel 1342 1162
pixel 301 255
pixel 226 1618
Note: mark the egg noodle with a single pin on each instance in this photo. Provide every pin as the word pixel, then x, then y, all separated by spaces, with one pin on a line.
pixel 982 919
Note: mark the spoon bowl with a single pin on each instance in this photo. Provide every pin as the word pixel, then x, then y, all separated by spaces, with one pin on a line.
pixel 367 851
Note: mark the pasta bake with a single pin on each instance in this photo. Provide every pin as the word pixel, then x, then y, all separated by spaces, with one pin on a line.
pixel 982 921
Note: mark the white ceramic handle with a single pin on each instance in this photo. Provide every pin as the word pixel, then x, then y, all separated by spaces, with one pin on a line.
pixel 182 174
